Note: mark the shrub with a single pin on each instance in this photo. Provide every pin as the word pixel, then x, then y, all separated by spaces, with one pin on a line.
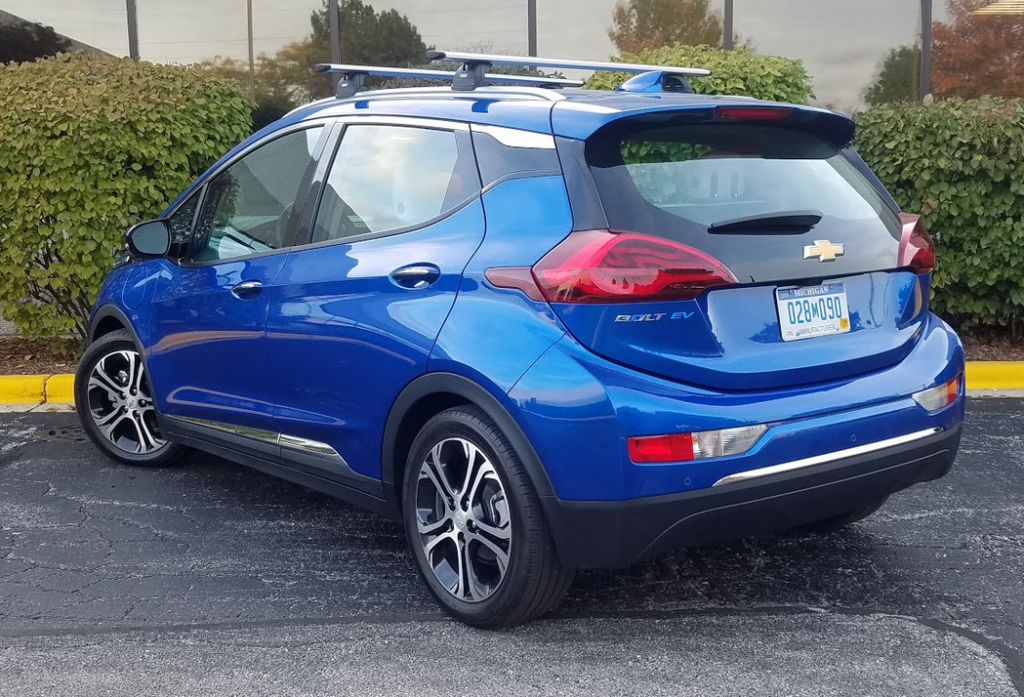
pixel 738 72
pixel 958 163
pixel 89 146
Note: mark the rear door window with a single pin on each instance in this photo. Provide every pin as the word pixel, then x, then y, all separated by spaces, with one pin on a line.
pixel 387 178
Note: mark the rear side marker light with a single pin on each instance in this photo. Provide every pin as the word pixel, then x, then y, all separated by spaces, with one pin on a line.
pixel 917 250
pixel 517 277
pixel 701 445
pixel 935 398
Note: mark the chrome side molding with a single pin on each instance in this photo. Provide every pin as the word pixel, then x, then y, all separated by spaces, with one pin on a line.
pixel 306 445
pixel 302 445
pixel 827 457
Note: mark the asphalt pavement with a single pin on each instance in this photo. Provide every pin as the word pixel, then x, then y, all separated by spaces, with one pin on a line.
pixel 213 579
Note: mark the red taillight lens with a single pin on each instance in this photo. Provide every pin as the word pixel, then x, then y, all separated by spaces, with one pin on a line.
pixel 675 447
pixel 753 113
pixel 917 250
pixel 603 266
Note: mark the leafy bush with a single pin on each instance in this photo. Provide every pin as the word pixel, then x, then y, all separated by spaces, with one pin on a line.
pixel 89 146
pixel 958 163
pixel 737 72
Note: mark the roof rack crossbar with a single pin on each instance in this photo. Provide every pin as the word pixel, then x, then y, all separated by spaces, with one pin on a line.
pixel 353 77
pixel 474 65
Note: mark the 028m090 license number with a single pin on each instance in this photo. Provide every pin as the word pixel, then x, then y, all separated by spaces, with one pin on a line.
pixel 812 311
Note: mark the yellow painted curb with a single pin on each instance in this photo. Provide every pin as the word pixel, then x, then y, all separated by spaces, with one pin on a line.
pixel 22 389
pixel 995 375
pixel 60 389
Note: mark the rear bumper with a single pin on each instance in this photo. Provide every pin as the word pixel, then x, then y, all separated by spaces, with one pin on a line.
pixel 608 534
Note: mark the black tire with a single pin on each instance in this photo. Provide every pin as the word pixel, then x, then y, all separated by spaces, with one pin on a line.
pixel 129 405
pixel 533 581
pixel 830 525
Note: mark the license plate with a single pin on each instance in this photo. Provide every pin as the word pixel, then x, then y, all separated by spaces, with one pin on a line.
pixel 811 311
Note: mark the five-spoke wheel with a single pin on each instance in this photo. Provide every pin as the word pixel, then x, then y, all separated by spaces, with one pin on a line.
pixel 121 404
pixel 463 519
pixel 475 525
pixel 115 403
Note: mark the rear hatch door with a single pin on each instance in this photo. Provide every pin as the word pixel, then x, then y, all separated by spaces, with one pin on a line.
pixel 808 243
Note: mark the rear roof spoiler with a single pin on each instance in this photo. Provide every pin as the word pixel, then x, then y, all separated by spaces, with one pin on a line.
pixel 581 119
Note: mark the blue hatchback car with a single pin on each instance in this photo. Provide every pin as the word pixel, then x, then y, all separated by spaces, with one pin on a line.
pixel 548 328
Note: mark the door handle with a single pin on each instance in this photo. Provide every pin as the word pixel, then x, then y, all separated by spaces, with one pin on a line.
pixel 247 289
pixel 416 276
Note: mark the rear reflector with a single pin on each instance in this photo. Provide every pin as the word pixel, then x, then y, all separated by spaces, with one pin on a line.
pixel 935 398
pixel 673 447
pixel 917 250
pixel 702 445
pixel 604 266
pixel 752 113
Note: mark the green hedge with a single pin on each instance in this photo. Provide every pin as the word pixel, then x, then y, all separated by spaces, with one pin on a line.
pixel 738 72
pixel 959 163
pixel 89 146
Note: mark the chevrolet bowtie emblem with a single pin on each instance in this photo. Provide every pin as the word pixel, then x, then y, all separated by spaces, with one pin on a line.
pixel 824 250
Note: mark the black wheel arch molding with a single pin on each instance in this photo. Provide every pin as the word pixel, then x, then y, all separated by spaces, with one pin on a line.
pixel 432 384
pixel 108 312
pixel 113 312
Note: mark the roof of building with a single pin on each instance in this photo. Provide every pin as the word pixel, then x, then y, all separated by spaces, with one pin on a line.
pixel 76 45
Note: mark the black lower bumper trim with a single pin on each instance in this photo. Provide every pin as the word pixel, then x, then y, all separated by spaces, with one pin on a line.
pixel 609 534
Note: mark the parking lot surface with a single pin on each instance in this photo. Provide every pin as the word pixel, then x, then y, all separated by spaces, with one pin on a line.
pixel 213 579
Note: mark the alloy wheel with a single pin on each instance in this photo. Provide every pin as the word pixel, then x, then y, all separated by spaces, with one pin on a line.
pixel 121 403
pixel 463 521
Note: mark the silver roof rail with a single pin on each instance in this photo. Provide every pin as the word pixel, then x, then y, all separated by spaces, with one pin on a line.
pixel 353 77
pixel 472 72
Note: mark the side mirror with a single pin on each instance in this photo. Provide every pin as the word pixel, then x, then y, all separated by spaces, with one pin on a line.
pixel 150 239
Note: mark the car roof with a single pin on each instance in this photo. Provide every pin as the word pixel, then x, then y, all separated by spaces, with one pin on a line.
pixel 573 113
pixel 568 112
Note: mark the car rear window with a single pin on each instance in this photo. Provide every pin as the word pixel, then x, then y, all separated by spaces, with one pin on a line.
pixel 703 175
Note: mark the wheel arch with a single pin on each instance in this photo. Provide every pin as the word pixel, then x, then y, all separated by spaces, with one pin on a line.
pixel 110 318
pixel 429 395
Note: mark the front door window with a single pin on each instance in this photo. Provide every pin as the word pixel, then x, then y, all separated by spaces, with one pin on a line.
pixel 249 207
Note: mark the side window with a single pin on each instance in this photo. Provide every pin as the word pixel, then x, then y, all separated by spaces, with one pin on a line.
pixel 386 178
pixel 248 206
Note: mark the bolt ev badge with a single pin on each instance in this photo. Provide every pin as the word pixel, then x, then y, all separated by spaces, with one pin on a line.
pixel 824 250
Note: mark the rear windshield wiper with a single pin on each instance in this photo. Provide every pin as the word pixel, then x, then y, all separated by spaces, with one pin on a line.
pixel 770 223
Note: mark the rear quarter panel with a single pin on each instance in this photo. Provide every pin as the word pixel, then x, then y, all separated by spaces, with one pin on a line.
pixel 493 335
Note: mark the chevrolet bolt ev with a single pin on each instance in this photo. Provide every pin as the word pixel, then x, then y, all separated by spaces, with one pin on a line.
pixel 547 329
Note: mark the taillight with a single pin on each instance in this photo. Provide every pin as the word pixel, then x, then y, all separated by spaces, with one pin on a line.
pixel 702 445
pixel 603 266
pixel 917 250
pixel 940 396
